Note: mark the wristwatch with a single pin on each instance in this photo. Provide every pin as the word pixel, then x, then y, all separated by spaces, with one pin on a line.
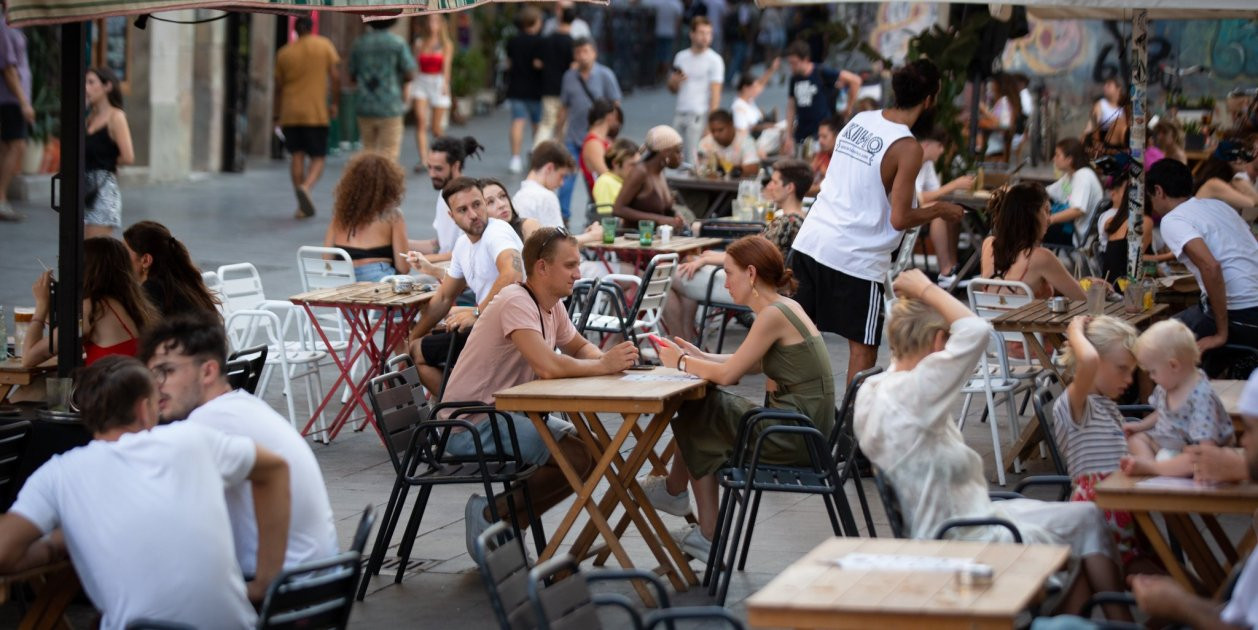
pixel 476 312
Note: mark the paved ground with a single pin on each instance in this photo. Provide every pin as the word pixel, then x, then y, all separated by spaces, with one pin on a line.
pixel 227 218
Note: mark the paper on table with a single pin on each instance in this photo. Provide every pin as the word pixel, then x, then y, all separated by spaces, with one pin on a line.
pixel 659 378
pixel 1174 483
pixel 896 562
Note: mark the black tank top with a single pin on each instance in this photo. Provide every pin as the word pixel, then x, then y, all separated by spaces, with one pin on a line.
pixel 100 151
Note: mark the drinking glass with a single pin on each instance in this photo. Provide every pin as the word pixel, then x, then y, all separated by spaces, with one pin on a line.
pixel 609 230
pixel 646 232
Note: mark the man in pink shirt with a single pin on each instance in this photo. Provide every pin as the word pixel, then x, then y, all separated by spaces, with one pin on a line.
pixel 514 342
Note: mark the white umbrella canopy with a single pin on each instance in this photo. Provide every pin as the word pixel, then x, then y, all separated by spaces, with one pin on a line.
pixel 1139 12
pixel 34 12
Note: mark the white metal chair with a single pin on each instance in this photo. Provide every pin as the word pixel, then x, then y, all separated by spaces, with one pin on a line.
pixel 214 285
pixel 326 268
pixel 994 377
pixel 643 316
pixel 247 328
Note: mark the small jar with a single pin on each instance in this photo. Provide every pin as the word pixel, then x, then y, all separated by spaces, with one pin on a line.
pixel 975 576
pixel 1058 304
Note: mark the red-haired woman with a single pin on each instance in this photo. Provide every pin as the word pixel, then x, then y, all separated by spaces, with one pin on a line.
pixel 783 344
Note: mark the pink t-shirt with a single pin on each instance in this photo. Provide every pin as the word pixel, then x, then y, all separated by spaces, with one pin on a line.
pixel 490 362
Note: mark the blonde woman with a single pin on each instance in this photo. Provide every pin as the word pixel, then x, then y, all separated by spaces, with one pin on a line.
pixel 434 52
pixel 905 426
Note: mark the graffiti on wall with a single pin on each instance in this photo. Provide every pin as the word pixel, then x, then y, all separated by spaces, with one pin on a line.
pixel 898 22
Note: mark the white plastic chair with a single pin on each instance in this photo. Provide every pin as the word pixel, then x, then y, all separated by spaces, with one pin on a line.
pixel 253 327
pixel 643 316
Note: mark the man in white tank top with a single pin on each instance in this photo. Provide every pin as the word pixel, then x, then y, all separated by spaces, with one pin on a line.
pixel 843 251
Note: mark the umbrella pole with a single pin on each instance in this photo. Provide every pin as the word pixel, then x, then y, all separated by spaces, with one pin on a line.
pixel 1139 100
pixel 70 203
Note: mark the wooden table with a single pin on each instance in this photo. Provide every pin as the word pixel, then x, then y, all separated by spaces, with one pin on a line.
pixel 1178 292
pixel 649 402
pixel 13 375
pixel 1040 326
pixel 816 593
pixel 628 249
pixel 1177 504
pixel 969 199
pixel 56 585
pixel 367 308
pixel 717 193
pixel 1229 391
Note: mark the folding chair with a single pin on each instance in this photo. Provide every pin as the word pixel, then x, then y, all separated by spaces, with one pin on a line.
pixel 994 377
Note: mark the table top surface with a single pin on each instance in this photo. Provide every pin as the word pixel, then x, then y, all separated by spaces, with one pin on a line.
pixel 377 294
pixel 968 198
pixel 704 183
pixel 816 592
pixel 643 391
pixel 14 365
pixel 1036 316
pixel 1119 491
pixel 677 244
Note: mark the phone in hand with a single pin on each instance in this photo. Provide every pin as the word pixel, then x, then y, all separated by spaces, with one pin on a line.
pixel 656 341
pixel 641 367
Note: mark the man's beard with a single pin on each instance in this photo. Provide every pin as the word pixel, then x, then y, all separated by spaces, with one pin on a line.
pixel 438 184
pixel 924 124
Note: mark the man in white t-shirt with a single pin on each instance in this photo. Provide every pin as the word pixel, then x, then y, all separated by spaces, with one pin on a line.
pixel 730 150
pixel 525 335
pixel 1219 249
pixel 842 253
pixel 486 258
pixel 698 73
pixel 140 509
pixel 1075 196
pixel 445 162
pixel 1163 598
pixel 536 199
pixel 189 354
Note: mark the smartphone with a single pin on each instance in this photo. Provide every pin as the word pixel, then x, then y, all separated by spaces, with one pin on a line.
pixel 643 367
pixel 655 341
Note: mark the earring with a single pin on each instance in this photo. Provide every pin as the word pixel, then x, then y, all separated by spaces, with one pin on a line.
pixel 754 291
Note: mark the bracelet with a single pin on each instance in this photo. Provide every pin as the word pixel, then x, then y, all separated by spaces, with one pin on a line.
pixel 681 363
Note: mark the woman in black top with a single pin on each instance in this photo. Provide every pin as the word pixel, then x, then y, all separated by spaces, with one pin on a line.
pixel 106 146
pixel 366 218
pixel 162 265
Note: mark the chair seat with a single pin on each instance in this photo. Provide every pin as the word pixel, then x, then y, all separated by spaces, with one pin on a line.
pixel 1019 372
pixel 777 479
pixel 610 323
pixel 975 385
pixel 470 472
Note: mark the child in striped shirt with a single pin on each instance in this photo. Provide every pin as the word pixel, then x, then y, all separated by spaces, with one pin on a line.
pixel 1087 423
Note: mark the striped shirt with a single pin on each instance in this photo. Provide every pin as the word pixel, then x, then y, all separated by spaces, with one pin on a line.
pixel 1093 443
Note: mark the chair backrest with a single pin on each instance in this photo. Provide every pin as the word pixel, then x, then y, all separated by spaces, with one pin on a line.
pixel 904 256
pixel 561 603
pixel 1043 403
pixel 843 435
pixel 991 298
pixel 890 503
pixel 607 298
pixel 585 293
pixel 363 531
pixel 505 569
pixel 241 286
pixel 730 231
pixel 214 284
pixel 324 267
pixel 252 360
pixel 13 438
pixel 398 414
pixel 314 595
pixel 653 293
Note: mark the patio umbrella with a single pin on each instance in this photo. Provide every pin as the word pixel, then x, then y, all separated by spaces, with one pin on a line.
pixel 71 14
pixel 1139 12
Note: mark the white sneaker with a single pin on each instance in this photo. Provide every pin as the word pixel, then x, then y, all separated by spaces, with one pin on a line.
pixel 946 282
pixel 656 490
pixel 474 514
pixel 517 165
pixel 694 543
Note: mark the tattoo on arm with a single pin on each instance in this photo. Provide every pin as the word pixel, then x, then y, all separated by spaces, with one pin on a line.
pixel 517 264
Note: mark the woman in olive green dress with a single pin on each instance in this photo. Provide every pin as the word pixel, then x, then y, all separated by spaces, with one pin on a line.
pixel 783 344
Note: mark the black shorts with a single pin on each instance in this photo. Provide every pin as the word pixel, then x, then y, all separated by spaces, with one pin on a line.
pixel 436 347
pixel 13 125
pixel 312 141
pixel 839 303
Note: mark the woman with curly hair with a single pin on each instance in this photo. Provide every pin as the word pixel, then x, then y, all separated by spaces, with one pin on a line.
pixel 115 310
pixel 367 221
pixel 1015 249
pixel 163 267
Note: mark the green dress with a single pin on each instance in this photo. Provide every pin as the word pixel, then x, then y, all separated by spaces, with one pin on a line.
pixel 705 429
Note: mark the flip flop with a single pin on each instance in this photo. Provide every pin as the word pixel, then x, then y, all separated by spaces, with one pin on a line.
pixel 306 207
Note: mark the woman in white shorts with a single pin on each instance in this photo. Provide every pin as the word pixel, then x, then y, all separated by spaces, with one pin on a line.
pixel 434 52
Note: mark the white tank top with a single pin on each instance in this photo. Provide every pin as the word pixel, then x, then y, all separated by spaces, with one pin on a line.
pixel 849 226
pixel 1108 114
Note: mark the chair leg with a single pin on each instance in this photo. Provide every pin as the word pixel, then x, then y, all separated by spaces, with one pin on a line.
pixel 388 521
pixel 844 510
pixel 535 522
pixel 965 411
pixel 1015 427
pixel 725 516
pixel 703 325
pixel 995 429
pixel 720 340
pixel 860 494
pixel 751 527
pixel 412 530
pixel 723 589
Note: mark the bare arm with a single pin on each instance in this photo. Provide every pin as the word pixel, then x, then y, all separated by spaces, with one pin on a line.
pixel 14 82
pixel 439 306
pixel 852 82
pixel 561 122
pixel 1216 291
pixel 788 134
pixel 1086 360
pixel 1056 275
pixel 550 365
pixel 120 132
pixel 593 153
pixel 1163 598
pixel 767 330
pixel 397 231
pixel 931 196
pixel 1227 193
pixel 510 271
pixel 272 506
pixel 674 81
pixel 23 546
pixel 334 74
pixel 633 185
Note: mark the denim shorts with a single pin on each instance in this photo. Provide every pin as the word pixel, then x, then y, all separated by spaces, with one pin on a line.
pixel 373 272
pixel 532 448
pixel 526 108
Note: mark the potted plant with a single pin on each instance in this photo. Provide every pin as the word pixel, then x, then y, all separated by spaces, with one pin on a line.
pixel 468 73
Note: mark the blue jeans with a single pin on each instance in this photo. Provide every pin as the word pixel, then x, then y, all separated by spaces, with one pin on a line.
pixel 532 449
pixel 569 182
pixel 373 272
pixel 738 58
pixel 526 108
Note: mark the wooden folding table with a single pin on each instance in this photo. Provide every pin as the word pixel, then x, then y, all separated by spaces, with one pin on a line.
pixel 1041 327
pixel 815 592
pixel 1177 500
pixel 56 586
pixel 14 375
pixel 650 397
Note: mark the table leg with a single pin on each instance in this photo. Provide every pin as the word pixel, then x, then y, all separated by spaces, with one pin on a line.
pixel 1032 433
pixel 343 365
pixel 1204 564
pixel 1151 531
pixel 362 331
pixel 53 596
pixel 1221 539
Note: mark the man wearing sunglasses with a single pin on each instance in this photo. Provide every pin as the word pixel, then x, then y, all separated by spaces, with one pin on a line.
pixel 514 342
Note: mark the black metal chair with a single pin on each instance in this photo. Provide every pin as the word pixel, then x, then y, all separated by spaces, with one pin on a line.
pixel 13 437
pixel 746 480
pixel 1232 361
pixel 244 368
pixel 898 524
pixel 315 595
pixel 425 464
pixel 363 531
